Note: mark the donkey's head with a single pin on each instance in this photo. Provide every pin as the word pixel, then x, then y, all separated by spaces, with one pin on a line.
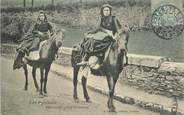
pixel 58 38
pixel 122 40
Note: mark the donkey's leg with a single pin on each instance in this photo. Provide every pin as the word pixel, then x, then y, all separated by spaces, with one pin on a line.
pixel 41 80
pixel 111 93
pixel 34 78
pixel 45 79
pixel 26 77
pixel 75 76
pixel 86 96
pixel 86 74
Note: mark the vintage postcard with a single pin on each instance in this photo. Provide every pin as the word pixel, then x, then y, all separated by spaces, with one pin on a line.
pixel 92 57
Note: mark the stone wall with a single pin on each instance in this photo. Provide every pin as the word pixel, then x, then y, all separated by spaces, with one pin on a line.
pixel 163 81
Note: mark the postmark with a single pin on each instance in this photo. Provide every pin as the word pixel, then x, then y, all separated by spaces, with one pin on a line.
pixel 167 22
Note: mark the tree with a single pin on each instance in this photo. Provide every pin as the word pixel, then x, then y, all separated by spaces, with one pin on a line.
pixel 52 5
pixel 24 3
pixel 32 3
pixel 52 2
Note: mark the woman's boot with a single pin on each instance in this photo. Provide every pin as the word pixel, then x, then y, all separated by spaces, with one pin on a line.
pixel 84 60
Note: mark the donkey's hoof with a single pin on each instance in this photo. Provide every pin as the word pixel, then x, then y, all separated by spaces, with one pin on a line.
pixel 37 90
pixel 45 95
pixel 45 91
pixel 25 88
pixel 88 100
pixel 41 96
pixel 41 93
pixel 76 100
pixel 112 109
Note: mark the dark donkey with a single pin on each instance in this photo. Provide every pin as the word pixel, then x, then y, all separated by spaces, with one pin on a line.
pixel 47 54
pixel 111 68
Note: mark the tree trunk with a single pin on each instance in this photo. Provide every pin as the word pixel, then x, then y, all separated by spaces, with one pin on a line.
pixel 24 3
pixel 32 3
pixel 52 3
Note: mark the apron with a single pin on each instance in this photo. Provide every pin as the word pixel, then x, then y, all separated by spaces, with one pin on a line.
pixel 97 36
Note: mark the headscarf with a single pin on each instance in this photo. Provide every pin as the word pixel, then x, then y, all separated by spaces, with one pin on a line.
pixel 104 6
pixel 41 12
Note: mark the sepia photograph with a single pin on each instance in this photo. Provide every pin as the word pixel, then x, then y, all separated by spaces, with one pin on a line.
pixel 92 57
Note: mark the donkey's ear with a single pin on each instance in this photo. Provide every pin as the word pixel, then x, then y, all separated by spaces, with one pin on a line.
pixel 63 30
pixel 60 30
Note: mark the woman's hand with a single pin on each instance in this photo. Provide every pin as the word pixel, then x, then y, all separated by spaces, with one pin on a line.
pixel 85 34
pixel 110 33
pixel 40 33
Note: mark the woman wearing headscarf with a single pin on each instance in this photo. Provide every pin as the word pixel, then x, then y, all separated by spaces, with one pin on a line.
pixel 109 26
pixel 41 31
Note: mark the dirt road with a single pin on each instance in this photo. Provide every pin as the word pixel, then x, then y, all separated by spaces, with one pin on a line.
pixel 59 101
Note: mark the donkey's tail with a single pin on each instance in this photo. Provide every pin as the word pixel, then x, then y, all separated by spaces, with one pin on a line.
pixel 18 62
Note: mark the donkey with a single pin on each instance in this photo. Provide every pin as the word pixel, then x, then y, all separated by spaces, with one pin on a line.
pixel 111 68
pixel 47 53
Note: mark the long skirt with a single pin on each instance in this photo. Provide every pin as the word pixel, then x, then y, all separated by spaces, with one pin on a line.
pixel 95 43
pixel 31 42
pixel 97 36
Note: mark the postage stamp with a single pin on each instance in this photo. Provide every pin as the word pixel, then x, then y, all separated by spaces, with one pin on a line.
pixel 167 22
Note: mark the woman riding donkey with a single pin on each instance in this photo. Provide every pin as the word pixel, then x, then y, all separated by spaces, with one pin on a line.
pixel 109 27
pixel 103 51
pixel 41 31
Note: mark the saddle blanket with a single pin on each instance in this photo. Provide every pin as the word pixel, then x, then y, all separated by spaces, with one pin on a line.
pixel 34 55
